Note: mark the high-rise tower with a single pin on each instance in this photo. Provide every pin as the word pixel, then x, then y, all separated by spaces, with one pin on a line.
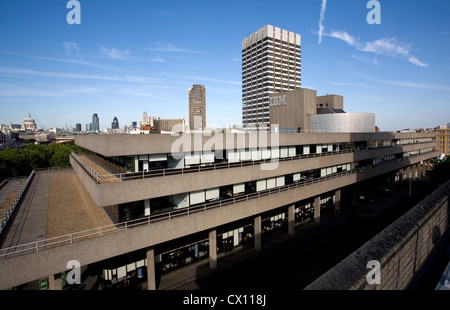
pixel 197 107
pixel 271 62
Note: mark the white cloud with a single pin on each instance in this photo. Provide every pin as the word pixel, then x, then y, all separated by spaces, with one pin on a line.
pixel 321 19
pixel 436 87
pixel 157 59
pixel 119 78
pixel 72 50
pixel 350 84
pixel 417 62
pixel 115 53
pixel 365 59
pixel 386 46
pixel 169 47
pixel 342 35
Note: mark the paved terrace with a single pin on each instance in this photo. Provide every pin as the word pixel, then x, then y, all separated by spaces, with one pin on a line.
pixel 55 204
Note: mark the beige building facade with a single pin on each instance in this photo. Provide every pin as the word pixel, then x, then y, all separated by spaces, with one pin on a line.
pixel 301 110
pixel 271 62
pixel 197 107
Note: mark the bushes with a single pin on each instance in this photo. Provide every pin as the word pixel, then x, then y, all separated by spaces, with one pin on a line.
pixel 20 162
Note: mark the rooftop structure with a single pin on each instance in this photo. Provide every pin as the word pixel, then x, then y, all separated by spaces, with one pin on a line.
pixel 302 110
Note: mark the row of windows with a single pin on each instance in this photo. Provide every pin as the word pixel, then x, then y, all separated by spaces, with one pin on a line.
pixel 443 137
pixel 271 52
pixel 269 75
pixel 270 42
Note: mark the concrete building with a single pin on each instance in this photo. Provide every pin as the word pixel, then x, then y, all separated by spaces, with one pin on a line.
pixel 95 125
pixel 157 125
pixel 171 125
pixel 301 110
pixel 271 63
pixel 197 107
pixel 198 193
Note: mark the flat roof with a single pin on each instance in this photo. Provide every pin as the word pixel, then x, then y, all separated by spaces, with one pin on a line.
pixel 55 204
pixel 128 145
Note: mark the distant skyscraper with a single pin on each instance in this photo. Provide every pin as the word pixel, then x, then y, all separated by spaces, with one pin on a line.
pixel 115 123
pixel 197 107
pixel 78 127
pixel 271 62
pixel 95 125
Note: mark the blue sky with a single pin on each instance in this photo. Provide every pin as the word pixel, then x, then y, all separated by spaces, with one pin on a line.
pixel 129 56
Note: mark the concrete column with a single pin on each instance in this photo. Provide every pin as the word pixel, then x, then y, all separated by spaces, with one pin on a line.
pixel 401 172
pixel 147 207
pixel 423 170
pixel 391 180
pixel 291 220
pixel 356 193
pixel 413 172
pixel 136 163
pixel 151 278
pixel 54 282
pixel 337 202
pixel 408 171
pixel 317 209
pixel 213 249
pixel 257 232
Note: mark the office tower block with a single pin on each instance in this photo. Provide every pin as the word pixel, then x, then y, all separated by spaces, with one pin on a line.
pixel 271 62
pixel 197 107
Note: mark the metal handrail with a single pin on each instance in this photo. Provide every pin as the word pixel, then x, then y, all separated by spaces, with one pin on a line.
pixel 10 211
pixel 173 171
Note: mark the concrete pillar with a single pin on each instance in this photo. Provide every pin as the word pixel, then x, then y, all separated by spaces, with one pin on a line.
pixel 401 174
pixel 147 207
pixel 54 282
pixel 317 209
pixel 337 202
pixel 424 171
pixel 413 172
pixel 257 232
pixel 356 193
pixel 291 220
pixel 408 172
pixel 213 249
pixel 391 180
pixel 136 163
pixel 151 278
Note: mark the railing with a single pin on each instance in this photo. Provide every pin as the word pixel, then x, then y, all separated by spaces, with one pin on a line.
pixel 174 171
pixel 9 213
pixel 101 231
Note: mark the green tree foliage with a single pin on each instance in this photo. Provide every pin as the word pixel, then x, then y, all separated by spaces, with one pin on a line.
pixel 441 170
pixel 20 162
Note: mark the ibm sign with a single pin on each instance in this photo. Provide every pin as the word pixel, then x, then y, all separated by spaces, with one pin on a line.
pixel 277 101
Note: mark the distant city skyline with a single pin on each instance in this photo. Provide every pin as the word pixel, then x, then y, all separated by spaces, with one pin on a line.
pixel 123 59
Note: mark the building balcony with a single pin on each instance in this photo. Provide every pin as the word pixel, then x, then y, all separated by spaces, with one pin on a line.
pixel 108 188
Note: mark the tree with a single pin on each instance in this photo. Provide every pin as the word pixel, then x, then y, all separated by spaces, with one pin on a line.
pixel 441 171
pixel 20 162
